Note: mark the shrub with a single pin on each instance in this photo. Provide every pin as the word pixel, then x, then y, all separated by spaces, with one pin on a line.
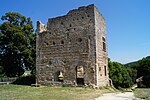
pixel 25 80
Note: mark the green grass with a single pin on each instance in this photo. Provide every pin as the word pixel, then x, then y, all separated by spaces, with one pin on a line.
pixel 20 92
pixel 142 93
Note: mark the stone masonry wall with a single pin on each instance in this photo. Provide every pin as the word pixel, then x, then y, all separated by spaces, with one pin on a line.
pixel 101 49
pixel 70 41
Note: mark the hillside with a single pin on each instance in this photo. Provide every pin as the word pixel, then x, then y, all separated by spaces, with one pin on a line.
pixel 143 70
pixel 136 62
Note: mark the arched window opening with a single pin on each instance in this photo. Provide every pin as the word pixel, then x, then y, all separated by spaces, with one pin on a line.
pixel 60 77
pixel 103 39
pixel 62 42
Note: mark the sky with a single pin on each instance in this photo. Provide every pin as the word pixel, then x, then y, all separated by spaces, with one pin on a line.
pixel 127 22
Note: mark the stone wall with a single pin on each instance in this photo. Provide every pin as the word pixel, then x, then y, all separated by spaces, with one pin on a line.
pixel 101 49
pixel 69 42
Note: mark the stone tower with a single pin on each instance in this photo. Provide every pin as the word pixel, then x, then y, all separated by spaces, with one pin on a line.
pixel 72 49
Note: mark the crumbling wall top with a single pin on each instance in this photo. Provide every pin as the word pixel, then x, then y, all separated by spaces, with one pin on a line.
pixel 40 27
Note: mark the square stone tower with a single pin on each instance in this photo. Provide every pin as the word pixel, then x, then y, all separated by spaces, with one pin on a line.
pixel 72 49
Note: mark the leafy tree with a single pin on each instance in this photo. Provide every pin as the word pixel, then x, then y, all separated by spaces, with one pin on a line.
pixel 127 80
pixel 140 68
pixel 144 67
pixel 146 81
pixel 132 73
pixel 115 73
pixel 120 75
pixel 17 44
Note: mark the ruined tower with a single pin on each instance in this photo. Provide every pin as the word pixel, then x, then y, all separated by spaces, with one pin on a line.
pixel 73 49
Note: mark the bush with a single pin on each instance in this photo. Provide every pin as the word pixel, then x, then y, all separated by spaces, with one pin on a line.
pixel 146 81
pixel 25 80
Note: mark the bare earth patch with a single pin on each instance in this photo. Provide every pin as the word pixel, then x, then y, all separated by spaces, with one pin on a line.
pixel 117 96
pixel 142 94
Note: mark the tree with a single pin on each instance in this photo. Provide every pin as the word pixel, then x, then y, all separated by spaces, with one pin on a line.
pixel 132 73
pixel 115 73
pixel 17 44
pixel 127 80
pixel 144 67
pixel 140 68
pixel 144 70
pixel 120 75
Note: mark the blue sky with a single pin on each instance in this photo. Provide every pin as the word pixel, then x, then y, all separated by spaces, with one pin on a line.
pixel 128 21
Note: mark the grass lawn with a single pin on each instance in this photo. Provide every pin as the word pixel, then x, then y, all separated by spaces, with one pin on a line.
pixel 20 92
pixel 142 93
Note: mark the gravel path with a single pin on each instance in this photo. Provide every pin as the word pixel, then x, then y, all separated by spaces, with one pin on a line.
pixel 117 96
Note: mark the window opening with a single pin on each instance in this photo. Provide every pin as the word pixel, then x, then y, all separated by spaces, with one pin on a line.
pixel 79 40
pixel 104 44
pixel 62 42
pixel 53 43
pixel 105 70
pixel 62 23
pixel 103 39
pixel 99 68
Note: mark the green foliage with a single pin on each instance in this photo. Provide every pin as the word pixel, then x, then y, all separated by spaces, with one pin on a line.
pixel 114 73
pixel 121 75
pixel 127 81
pixel 146 81
pixel 1 72
pixel 126 75
pixel 143 69
pixel 132 73
pixel 17 44
pixel 25 80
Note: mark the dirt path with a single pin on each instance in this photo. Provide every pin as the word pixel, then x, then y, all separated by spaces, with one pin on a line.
pixel 117 96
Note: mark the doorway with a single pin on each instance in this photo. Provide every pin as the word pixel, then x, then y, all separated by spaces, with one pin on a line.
pixel 79 75
pixel 58 76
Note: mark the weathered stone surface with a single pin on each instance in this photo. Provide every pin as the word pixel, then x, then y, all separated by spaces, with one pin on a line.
pixel 74 45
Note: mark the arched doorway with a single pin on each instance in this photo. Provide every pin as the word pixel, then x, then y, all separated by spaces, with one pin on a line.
pixel 79 75
pixel 58 76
